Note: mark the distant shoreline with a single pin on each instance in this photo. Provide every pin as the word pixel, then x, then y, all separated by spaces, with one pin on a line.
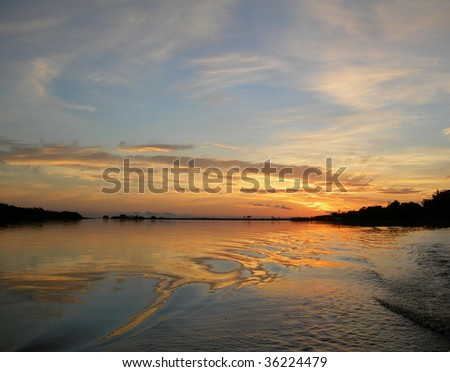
pixel 141 218
pixel 292 219
pixel 433 212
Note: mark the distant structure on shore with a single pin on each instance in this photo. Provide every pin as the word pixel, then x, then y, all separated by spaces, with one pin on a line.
pixel 12 214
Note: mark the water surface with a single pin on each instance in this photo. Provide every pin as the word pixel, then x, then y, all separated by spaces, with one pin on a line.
pixel 223 285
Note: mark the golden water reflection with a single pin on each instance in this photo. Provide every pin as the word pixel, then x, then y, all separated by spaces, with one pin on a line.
pixel 58 263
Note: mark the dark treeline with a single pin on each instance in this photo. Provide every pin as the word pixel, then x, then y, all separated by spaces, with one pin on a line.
pixel 433 211
pixel 12 214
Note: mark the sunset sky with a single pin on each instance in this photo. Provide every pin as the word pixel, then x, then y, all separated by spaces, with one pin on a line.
pixel 87 83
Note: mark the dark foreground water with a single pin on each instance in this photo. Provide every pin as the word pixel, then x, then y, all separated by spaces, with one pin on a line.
pixel 217 286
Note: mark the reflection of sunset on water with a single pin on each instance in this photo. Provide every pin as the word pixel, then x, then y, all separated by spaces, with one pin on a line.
pixel 149 253
pixel 171 265
pixel 154 263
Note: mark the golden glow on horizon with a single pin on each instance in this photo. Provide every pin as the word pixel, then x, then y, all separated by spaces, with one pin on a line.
pixel 351 84
pixel 65 177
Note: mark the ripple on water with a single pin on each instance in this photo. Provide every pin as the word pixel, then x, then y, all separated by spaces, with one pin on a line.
pixel 222 266
pixel 250 253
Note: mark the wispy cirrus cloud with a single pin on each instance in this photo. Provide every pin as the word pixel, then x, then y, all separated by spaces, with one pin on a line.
pixel 413 20
pixel 337 133
pixel 36 77
pixel 76 53
pixel 372 87
pixel 226 146
pixel 359 88
pixel 143 31
pixel 217 78
pixel 37 74
pixel 402 191
pixel 124 147
pixel 370 55
pixel 32 25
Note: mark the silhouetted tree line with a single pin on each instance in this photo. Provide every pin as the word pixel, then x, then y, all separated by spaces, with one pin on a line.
pixel 127 217
pixel 433 211
pixel 10 213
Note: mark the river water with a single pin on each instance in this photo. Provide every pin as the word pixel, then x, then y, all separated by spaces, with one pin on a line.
pixel 97 285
